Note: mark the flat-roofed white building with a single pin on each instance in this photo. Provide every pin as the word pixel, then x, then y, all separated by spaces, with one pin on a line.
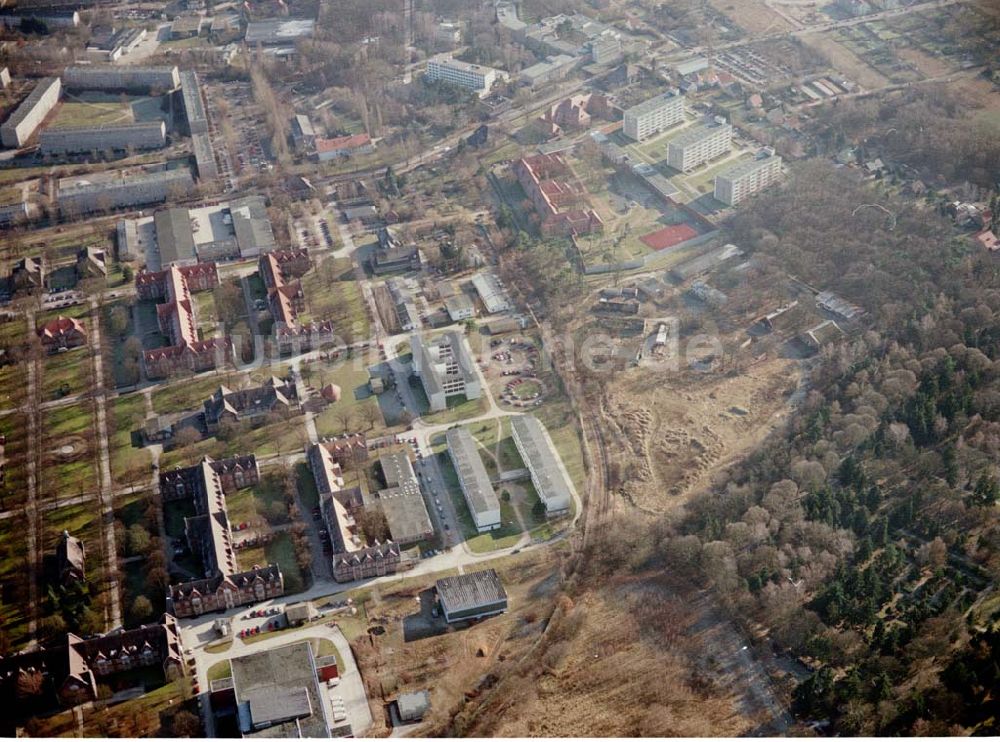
pixel 698 145
pixel 652 116
pixel 476 77
pixel 123 190
pixel 20 125
pixel 445 368
pixel 473 479
pixel 116 137
pixel 540 456
pixel 746 178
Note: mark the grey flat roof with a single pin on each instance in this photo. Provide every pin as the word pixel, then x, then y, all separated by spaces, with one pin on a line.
pixel 472 474
pixel 280 31
pixel 283 672
pixel 652 104
pixel 542 461
pixel 273 705
pixel 396 467
pixel 173 235
pixel 471 590
pixel 405 512
pixel 252 225
pixel 193 106
pixel 204 156
pixel 696 134
pixel 750 166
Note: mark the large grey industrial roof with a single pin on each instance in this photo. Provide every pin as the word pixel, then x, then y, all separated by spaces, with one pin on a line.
pixel 173 235
pixel 284 674
pixel 252 226
pixel 471 590
pixel 475 481
pixel 542 461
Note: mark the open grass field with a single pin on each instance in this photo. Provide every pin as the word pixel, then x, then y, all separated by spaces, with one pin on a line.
pixel 128 463
pixel 79 113
pixel 13 579
pixel 68 456
pixel 459 408
pixel 284 436
pixel 356 400
pixel 332 293
pixel 66 373
pixel 265 501
pixel 191 393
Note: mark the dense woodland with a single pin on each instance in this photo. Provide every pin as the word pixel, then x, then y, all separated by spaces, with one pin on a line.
pixel 865 540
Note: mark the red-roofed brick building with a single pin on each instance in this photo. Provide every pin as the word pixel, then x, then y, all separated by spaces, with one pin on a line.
pixel 560 200
pixel 176 318
pixel 330 149
pixel 62 333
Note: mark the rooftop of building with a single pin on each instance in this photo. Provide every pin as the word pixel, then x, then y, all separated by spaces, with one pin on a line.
pixel 475 480
pixel 652 104
pixel 278 694
pixel 471 590
pixel 542 461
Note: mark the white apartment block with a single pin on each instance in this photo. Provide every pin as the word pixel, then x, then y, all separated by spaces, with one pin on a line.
pixel 653 116
pixel 445 368
pixel 21 124
pixel 698 145
pixel 473 479
pixel 473 76
pixel 117 137
pixel 746 178
pixel 548 474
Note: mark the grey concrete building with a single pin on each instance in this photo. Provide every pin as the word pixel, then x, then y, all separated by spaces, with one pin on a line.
pixel 194 108
pixel 204 156
pixel 542 460
pixel 473 479
pixel 11 214
pixel 116 137
pixel 27 117
pixel 445 368
pixel 746 178
pixel 124 78
pixel 699 144
pixel 124 191
pixel 652 116
pixel 471 596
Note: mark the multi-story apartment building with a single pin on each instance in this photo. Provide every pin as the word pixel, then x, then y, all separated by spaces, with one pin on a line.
pixel 698 145
pixel 115 137
pixel 118 78
pixel 27 117
pixel 445 368
pixel 194 107
pixel 653 116
pixel 124 191
pixel 746 178
pixel 52 18
pixel 473 479
pixel 542 460
pixel 476 77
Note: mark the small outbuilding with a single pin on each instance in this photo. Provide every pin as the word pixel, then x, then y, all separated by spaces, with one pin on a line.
pixel 413 706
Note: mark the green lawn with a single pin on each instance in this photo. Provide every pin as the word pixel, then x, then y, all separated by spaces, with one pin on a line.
pixel 351 375
pixel 332 293
pixel 13 573
pixel 284 436
pixel 72 473
pixel 279 551
pixel 78 113
pixel 125 416
pixel 265 500
pixel 459 408
pixel 188 394
pixel 66 373
pixel 220 670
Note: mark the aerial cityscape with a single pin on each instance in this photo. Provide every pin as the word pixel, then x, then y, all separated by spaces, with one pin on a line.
pixel 499 368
